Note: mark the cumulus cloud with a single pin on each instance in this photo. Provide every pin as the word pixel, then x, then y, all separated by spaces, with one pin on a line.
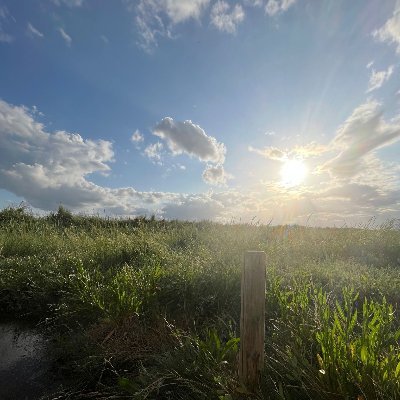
pixel 275 7
pixel 24 141
pixel 216 175
pixel 187 137
pixel 137 137
pixel 390 31
pixel 157 18
pixel 362 133
pixel 194 207
pixel 378 78
pixel 65 36
pixel 33 31
pixel 226 18
pixel 47 169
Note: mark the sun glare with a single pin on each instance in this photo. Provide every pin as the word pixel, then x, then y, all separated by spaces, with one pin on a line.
pixel 293 173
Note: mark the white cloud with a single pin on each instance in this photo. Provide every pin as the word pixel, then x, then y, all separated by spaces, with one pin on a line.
pixel 378 78
pixel 4 18
pixel 225 18
pixel 33 31
pixel 272 7
pixel 390 31
pixel 194 207
pixel 137 137
pixel 362 133
pixel 186 137
pixel 65 36
pixel 153 151
pixel 181 10
pixel 5 37
pixel 308 150
pixel 216 175
pixel 253 3
pixel 273 153
pixel 47 169
pixel 157 18
pixel 69 3
pixel 32 160
pixel 104 39
pixel 275 7
pixel 363 195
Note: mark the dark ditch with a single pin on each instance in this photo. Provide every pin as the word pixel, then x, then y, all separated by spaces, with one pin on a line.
pixel 25 363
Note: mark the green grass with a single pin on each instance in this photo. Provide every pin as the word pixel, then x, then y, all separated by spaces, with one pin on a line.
pixel 143 308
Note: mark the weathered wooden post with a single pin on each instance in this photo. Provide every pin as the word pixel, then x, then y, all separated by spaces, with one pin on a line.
pixel 252 319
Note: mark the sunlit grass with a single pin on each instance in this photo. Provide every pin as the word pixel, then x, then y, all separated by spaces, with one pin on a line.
pixel 161 301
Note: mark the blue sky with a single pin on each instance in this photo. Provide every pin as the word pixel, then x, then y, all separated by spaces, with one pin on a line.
pixel 196 109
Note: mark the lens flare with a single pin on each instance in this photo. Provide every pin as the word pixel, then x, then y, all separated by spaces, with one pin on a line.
pixel 293 173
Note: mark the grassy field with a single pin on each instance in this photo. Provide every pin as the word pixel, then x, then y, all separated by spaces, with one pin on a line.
pixel 149 309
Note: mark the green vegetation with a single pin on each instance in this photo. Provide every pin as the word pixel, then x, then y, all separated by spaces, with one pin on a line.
pixel 149 309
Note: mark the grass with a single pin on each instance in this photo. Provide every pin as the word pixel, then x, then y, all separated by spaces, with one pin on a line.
pixel 149 309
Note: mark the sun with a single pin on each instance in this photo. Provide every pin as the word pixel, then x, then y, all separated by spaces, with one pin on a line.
pixel 293 173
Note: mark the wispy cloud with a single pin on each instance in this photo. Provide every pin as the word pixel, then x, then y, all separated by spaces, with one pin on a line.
pixel 4 18
pixel 362 133
pixel 390 31
pixel 65 36
pixel 378 78
pixel 137 137
pixel 32 31
pixel 157 18
pixel 69 3
pixel 5 37
pixel 253 3
pixel 153 152
pixel 104 39
pixel 275 7
pixel 226 18
pixel 270 152
pixel 309 150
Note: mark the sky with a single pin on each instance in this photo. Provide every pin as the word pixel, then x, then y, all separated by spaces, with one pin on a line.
pixel 269 111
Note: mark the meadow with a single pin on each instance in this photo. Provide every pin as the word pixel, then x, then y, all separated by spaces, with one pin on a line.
pixel 149 309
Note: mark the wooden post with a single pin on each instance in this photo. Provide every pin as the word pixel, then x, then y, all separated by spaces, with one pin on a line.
pixel 252 319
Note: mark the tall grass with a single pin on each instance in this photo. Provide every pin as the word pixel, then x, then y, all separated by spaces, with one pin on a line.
pixel 150 309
